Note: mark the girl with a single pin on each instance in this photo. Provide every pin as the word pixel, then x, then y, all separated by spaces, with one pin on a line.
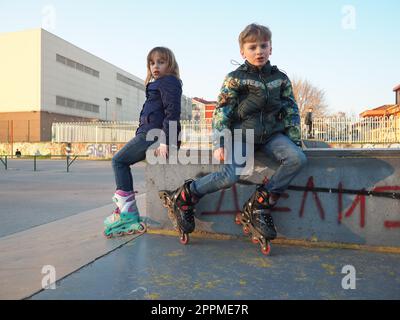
pixel 162 105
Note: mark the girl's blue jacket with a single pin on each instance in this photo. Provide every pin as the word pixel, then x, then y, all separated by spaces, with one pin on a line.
pixel 162 105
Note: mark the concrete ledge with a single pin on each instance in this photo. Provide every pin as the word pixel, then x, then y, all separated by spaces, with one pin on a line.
pixel 328 201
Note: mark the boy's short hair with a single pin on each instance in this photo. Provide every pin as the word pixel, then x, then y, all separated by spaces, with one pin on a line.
pixel 254 32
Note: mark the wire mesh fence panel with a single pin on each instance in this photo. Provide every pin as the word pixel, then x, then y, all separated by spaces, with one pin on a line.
pixel 199 133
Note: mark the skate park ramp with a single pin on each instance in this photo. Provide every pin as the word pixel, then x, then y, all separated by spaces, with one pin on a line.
pixel 65 245
pixel 344 196
pixel 308 144
pixel 158 267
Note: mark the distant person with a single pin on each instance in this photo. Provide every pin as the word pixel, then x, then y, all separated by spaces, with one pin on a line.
pixel 196 121
pixel 309 123
pixel 162 106
pixel 18 153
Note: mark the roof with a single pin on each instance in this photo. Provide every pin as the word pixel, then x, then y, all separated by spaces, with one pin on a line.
pixel 396 88
pixel 201 100
pixel 385 110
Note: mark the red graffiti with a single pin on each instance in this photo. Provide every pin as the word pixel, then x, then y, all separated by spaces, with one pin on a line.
pixel 360 200
pixel 340 204
pixel 310 184
pixel 237 207
pixel 221 197
pixel 387 223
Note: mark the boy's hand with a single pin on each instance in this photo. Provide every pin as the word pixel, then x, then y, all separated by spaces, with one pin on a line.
pixel 162 150
pixel 219 154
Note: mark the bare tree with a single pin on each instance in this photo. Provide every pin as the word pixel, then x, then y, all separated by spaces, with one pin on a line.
pixel 307 96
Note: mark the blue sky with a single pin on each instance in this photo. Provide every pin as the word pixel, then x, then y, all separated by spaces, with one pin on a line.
pixel 354 58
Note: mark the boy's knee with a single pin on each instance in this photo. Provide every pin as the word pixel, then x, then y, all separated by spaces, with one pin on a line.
pixel 233 179
pixel 297 159
pixel 301 160
pixel 229 179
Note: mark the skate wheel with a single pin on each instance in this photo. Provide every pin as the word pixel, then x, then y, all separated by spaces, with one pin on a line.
pixel 238 218
pixel 120 234
pixel 246 230
pixel 184 239
pixel 130 232
pixel 142 228
pixel 266 250
pixel 254 240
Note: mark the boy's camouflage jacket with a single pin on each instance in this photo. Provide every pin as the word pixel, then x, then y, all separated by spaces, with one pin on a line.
pixel 257 99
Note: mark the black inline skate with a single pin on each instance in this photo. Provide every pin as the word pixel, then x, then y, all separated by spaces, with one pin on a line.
pixel 256 218
pixel 180 204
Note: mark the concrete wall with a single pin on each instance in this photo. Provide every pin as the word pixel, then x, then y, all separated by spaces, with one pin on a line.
pixel 326 216
pixel 92 150
pixel 42 148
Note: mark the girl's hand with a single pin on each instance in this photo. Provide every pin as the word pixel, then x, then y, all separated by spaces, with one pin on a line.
pixel 162 150
pixel 219 154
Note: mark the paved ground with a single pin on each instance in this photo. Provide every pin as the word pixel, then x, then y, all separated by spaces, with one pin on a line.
pixel 29 198
pixel 158 267
pixel 53 217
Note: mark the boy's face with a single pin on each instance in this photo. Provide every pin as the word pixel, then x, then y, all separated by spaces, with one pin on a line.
pixel 257 52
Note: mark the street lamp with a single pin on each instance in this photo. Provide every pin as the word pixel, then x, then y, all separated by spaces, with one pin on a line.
pixel 106 100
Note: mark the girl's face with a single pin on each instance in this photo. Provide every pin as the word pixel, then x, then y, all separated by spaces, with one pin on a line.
pixel 158 66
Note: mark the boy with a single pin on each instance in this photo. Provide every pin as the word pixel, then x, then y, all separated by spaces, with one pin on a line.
pixel 255 96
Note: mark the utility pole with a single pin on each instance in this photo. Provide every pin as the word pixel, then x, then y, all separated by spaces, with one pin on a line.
pixel 106 100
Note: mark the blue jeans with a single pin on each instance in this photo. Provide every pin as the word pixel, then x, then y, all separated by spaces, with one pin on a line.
pixel 131 153
pixel 279 147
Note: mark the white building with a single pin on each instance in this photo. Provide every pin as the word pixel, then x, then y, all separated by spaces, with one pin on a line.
pixel 45 79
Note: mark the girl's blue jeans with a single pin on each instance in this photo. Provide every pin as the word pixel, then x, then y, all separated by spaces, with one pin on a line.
pixel 131 153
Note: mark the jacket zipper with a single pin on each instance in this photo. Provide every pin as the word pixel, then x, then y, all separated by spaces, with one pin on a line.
pixel 262 110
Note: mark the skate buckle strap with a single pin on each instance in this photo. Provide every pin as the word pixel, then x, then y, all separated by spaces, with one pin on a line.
pixel 183 195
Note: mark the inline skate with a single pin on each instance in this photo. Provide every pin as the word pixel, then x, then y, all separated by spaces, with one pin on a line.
pixel 180 204
pixel 256 218
pixel 125 219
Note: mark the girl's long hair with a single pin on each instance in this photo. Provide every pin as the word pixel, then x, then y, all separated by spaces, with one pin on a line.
pixel 168 56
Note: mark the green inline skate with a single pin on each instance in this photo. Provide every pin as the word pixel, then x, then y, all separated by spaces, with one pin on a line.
pixel 125 220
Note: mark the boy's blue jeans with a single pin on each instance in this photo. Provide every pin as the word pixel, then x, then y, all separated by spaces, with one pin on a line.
pixel 279 147
pixel 131 153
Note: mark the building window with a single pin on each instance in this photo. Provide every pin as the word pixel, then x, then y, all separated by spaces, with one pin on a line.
pixel 77 66
pixel 130 82
pixel 75 104
pixel 119 101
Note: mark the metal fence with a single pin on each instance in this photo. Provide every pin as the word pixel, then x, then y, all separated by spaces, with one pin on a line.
pixel 97 132
pixel 331 130
pixel 355 130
